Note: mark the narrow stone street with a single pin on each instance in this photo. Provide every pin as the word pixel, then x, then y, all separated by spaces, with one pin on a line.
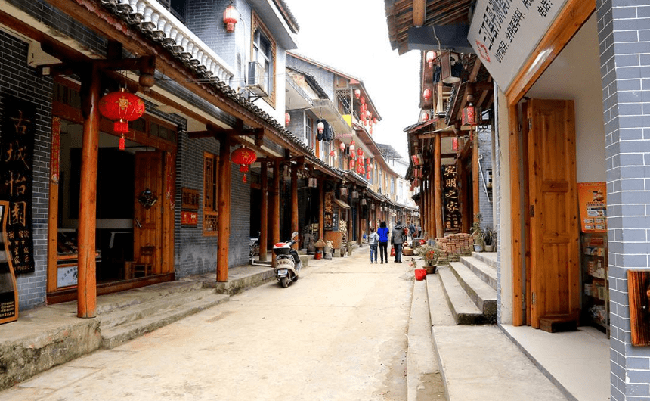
pixel 338 333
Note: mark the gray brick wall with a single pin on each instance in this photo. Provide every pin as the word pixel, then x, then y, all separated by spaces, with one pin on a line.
pixel 624 44
pixel 485 155
pixel 17 79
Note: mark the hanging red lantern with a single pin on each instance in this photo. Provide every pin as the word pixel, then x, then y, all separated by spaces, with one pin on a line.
pixel 469 115
pixel 363 100
pixel 332 153
pixel 244 157
pixel 352 147
pixel 287 118
pixel 320 127
pixel 360 152
pixel 122 107
pixel 374 120
pixel 368 176
pixel 424 116
pixel 426 94
pixel 342 146
pixel 351 164
pixel 431 55
pixel 230 16
pixel 357 93
pixel 371 130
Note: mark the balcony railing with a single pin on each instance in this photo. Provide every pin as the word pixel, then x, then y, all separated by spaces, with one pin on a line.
pixel 154 19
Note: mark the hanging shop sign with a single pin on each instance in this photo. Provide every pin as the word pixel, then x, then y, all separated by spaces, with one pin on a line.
pixel 189 218
pixel 592 197
pixel 8 292
pixel 55 154
pixel 328 212
pixel 504 33
pixel 16 155
pixel 451 201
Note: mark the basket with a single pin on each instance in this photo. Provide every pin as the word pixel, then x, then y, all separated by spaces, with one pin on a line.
pixel 420 274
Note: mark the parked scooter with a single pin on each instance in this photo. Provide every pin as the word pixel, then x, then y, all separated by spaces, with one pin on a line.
pixel 287 262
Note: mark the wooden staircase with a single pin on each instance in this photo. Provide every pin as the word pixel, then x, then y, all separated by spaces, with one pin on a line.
pixel 470 287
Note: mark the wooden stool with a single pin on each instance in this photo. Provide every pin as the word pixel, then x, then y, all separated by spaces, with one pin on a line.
pixel 143 266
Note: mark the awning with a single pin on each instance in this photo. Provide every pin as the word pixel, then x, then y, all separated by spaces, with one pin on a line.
pixel 341 203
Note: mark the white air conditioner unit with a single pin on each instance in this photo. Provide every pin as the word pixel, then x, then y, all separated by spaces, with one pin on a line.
pixel 256 80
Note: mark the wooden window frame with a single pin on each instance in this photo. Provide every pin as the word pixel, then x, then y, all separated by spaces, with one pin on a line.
pixel 256 25
pixel 210 187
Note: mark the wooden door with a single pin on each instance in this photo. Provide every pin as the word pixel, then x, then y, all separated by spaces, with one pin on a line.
pixel 553 210
pixel 148 222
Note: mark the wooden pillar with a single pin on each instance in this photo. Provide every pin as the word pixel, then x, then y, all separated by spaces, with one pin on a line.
pixel 321 208
pixel 87 281
pixel 223 202
pixel 264 214
pixel 438 187
pixel 294 204
pixel 275 215
pixel 475 176
pixel 423 219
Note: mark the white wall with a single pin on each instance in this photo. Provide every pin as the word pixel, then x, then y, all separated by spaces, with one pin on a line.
pixel 505 209
pixel 575 75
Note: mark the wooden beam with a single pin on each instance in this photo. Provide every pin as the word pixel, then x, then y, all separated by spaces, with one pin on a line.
pixel 419 12
pixel 475 176
pixel 53 215
pixel 264 214
pixel 294 204
pixel 438 188
pixel 87 282
pixel 573 15
pixel 223 199
pixel 275 216
pixel 321 208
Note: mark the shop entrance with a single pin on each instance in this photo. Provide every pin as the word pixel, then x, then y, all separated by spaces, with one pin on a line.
pixel 551 213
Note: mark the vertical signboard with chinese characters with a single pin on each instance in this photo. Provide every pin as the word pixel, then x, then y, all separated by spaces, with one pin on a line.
pixel 504 33
pixel 16 153
pixel 451 202
pixel 8 293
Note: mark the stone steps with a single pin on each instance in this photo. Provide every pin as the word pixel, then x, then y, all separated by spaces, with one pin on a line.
pixel 121 326
pixel 470 289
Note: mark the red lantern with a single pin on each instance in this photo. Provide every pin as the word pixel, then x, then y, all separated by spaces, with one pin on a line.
pixel 360 152
pixel 287 118
pixel 244 157
pixel 431 55
pixel 230 16
pixel 320 127
pixel 371 130
pixel 374 120
pixel 332 153
pixel 352 147
pixel 424 116
pixel 368 176
pixel 363 100
pixel 426 94
pixel 342 146
pixel 122 107
pixel 351 164
pixel 357 93
pixel 469 115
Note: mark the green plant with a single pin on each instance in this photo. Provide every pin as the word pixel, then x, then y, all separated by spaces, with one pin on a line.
pixel 430 253
pixel 477 230
pixel 489 236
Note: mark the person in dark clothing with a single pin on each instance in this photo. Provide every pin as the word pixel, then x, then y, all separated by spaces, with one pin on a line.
pixel 383 241
pixel 398 240
pixel 412 230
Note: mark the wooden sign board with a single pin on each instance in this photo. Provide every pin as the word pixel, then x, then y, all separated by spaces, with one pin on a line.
pixel 638 286
pixel 189 218
pixel 190 199
pixel 8 291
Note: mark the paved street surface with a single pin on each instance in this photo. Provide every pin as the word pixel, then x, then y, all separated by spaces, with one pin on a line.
pixel 339 333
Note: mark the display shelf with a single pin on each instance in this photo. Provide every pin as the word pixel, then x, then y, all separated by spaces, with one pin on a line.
pixel 595 288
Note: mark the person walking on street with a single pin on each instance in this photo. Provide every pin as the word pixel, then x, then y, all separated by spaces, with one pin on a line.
pixel 373 241
pixel 382 231
pixel 397 240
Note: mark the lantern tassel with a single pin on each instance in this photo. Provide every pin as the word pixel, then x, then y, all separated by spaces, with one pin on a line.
pixel 244 179
pixel 122 143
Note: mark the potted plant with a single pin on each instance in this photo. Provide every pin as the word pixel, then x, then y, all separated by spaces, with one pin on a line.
pixel 430 254
pixel 489 237
pixel 477 233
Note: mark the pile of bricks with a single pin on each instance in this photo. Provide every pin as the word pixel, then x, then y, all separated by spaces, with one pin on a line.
pixel 453 246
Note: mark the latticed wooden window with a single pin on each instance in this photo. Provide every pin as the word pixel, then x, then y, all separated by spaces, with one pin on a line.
pixel 210 192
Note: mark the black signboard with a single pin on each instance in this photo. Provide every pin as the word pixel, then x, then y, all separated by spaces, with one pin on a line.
pixel 16 154
pixel 8 293
pixel 451 201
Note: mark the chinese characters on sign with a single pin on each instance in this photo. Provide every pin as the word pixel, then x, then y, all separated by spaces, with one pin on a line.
pixel 16 152
pixel 8 293
pixel 450 201
pixel 504 33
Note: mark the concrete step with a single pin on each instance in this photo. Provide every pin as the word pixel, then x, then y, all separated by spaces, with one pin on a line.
pixel 118 335
pixel 489 258
pixel 483 296
pixel 240 279
pixel 484 271
pixel 134 312
pixel 120 300
pixel 463 309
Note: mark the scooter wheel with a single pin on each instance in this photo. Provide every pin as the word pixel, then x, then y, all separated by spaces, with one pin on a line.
pixel 284 282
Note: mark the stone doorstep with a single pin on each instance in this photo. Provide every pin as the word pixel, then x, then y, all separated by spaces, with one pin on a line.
pixel 485 272
pixel 463 309
pixel 481 293
pixel 489 258
pixel 52 335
